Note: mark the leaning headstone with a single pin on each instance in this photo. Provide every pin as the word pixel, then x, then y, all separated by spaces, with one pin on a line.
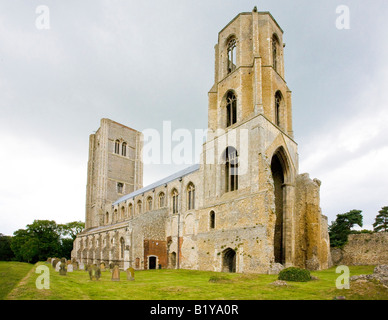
pixel 81 266
pixel 116 273
pixel 131 274
pixel 55 262
pixel 69 268
pixel 62 269
pixel 57 266
pixel 94 272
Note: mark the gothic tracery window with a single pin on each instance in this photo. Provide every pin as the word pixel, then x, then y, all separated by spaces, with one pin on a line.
pixel 231 169
pixel 149 203
pixel 275 52
pixel 174 201
pixel 124 149
pixel 231 48
pixel 162 197
pixel 231 109
pixel 190 196
pixel 278 101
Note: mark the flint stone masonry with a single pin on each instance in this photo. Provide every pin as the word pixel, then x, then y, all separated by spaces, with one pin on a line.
pixel 267 219
pixel 362 249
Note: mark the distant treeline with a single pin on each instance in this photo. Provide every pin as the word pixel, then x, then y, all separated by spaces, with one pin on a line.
pixel 40 240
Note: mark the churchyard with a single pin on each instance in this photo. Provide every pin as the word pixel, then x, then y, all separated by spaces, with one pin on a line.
pixel 18 281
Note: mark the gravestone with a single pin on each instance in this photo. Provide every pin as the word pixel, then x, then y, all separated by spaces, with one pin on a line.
pixel 131 274
pixel 55 262
pixel 94 272
pixel 111 266
pixel 75 265
pixel 116 273
pixel 57 266
pixel 102 266
pixel 69 268
pixel 81 266
pixel 62 269
pixel 49 260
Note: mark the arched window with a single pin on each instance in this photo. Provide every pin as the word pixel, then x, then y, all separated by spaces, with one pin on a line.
pixel 212 220
pixel 115 215
pixel 107 217
pixel 122 248
pixel 278 102
pixel 231 48
pixel 130 210
pixel 149 203
pixel 122 213
pixel 162 199
pixel 175 201
pixel 124 149
pixel 120 187
pixel 231 169
pixel 275 52
pixel 117 147
pixel 139 208
pixel 231 109
pixel 190 196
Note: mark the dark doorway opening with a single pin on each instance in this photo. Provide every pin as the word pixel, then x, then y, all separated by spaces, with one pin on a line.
pixel 278 179
pixel 151 262
pixel 229 260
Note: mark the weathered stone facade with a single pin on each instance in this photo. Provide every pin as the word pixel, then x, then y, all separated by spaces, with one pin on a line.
pixel 244 208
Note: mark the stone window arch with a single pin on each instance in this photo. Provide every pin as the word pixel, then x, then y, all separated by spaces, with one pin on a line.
pixel 149 203
pixel 190 196
pixel 139 206
pixel 231 169
pixel 175 199
pixel 122 247
pixel 117 146
pixel 231 108
pixel 279 102
pixel 107 217
pixel 275 52
pixel 122 213
pixel 212 220
pixel 231 49
pixel 124 149
pixel 130 210
pixel 162 200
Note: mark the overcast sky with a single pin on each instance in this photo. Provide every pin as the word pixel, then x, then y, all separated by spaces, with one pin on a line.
pixel 144 62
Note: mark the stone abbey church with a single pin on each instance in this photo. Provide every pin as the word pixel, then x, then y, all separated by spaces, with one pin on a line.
pixel 243 208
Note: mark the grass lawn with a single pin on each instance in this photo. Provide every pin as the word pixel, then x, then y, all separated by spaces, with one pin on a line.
pixel 189 285
pixel 11 273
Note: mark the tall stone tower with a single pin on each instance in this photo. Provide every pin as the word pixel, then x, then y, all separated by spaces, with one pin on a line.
pixel 250 159
pixel 114 168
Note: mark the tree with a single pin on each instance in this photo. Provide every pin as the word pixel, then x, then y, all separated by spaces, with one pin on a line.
pixel 6 253
pixel 71 229
pixel 381 221
pixel 342 227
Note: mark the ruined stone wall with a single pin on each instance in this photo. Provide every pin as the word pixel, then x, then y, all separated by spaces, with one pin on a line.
pixel 312 241
pixel 362 249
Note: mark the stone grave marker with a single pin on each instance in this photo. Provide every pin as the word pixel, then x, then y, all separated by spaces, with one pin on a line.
pixel 94 272
pixel 62 269
pixel 102 266
pixel 131 274
pixel 81 266
pixel 57 266
pixel 116 273
pixel 70 268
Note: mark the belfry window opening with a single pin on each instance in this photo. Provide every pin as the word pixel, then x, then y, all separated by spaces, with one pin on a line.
pixel 231 109
pixel 232 44
pixel 231 169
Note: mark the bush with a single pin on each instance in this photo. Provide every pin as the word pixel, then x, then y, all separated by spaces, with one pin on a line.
pixel 295 274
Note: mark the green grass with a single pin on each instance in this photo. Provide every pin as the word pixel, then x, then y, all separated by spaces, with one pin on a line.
pixel 191 285
pixel 11 273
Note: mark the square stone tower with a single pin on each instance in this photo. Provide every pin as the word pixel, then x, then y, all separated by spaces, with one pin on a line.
pixel 115 168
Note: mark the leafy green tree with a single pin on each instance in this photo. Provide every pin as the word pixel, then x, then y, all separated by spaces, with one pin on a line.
pixel 381 221
pixel 342 227
pixel 6 253
pixel 71 229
